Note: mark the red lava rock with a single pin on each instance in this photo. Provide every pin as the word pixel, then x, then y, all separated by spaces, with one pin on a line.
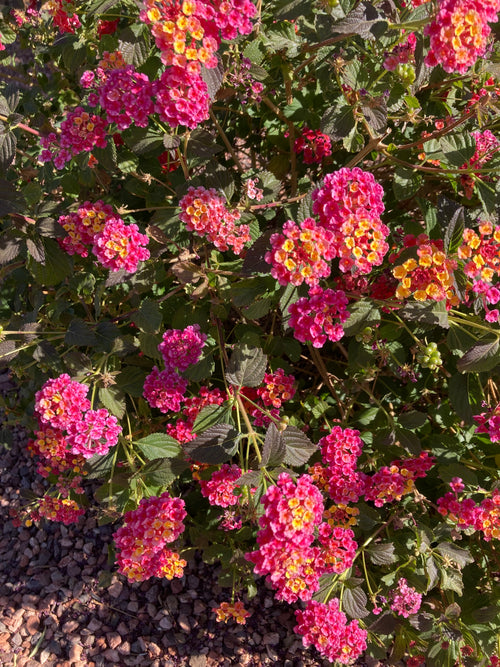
pixel 4 638
pixel 115 589
pixel 14 623
pixel 32 623
pixel 70 626
pixel 113 639
pixel 111 655
pixel 154 649
pixel 75 652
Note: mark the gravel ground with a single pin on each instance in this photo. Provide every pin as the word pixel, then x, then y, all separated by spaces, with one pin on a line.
pixel 53 611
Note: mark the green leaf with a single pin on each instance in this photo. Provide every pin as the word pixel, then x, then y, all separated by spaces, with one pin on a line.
pixel 453 237
pixel 338 121
pixel 433 313
pixel 454 553
pixel 216 445
pixel 149 345
pixel 406 183
pixel 413 419
pixel 101 6
pixel 211 415
pixel 458 391
pixel 458 148
pixel 247 367
pixel 134 45
pixel 148 318
pixel 274 449
pixel 408 440
pixel 258 309
pixel 131 380
pixel 57 266
pixel 8 143
pixel 100 467
pixel 213 77
pixel 113 399
pixel 158 446
pixel 74 54
pixel 143 140
pixel 365 21
pixel 382 554
pixel 482 356
pixel 374 109
pixel 354 602
pixel 299 448
pixel 488 196
pixel 79 333
pixel 162 472
pixel 363 314
pixel 431 572
pixel 451 580
pixel 9 249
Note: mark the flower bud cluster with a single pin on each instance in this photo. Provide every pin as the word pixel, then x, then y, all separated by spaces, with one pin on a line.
pixel 141 542
pixel 205 212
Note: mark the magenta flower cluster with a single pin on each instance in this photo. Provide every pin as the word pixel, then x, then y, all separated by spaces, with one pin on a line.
pixel 314 146
pixel 278 388
pixel 141 542
pixel 180 349
pixel 325 627
pixel 319 317
pixel 340 450
pixel 182 430
pixel 115 244
pixel 219 489
pixel 205 212
pixel 489 422
pixel 182 98
pixel 466 513
pixel 405 600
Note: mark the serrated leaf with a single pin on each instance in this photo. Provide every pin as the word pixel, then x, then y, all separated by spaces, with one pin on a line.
pixel 274 449
pixel 100 467
pixel 246 367
pixel 338 122
pixel 433 313
pixel 412 419
pixel 73 54
pixel 299 448
pixel 453 236
pixel 408 440
pixel 131 380
pixel 354 602
pixel 158 446
pixel 385 624
pixel 451 580
pixel 258 309
pixel 363 314
pixel 454 553
pixel 382 554
pixel 142 140
pixel 375 112
pixel 364 20
pixel 148 318
pixel 8 143
pixel 101 6
pixel 209 416
pixel 79 333
pixel 213 78
pixel 113 399
pixel 171 141
pixel 56 267
pixel 162 472
pixel 134 47
pixel 250 478
pixel 36 250
pixel 458 392
pixel 7 351
pixel 149 345
pixel 406 183
pixel 482 356
pixel 9 249
pixel 458 148
pixel 488 196
pixel 216 445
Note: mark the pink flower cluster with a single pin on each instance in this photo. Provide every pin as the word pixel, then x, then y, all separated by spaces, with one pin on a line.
pixel 318 318
pixel 301 253
pixel 80 132
pixel 63 510
pixel 124 94
pixel 180 348
pixel 314 145
pixel 182 429
pixel 325 627
pixel 349 203
pixel 338 548
pixel 62 405
pixel 181 97
pixel 340 451
pixel 235 610
pixel 459 33
pixel 489 422
pixel 392 482
pixel 141 541
pixel 115 244
pixel 405 600
pixel 278 388
pixel 55 458
pixel 292 512
pixel 251 191
pixel 188 32
pixel 466 513
pixel 205 212
pixel 219 489
pixel 63 15
pixel 486 146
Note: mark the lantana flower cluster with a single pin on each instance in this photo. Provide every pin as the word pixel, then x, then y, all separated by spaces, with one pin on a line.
pixel 392 482
pixel 401 54
pixel 349 203
pixel 489 422
pixel 459 33
pixel 63 15
pixel 340 451
pixel 219 489
pixel 405 600
pixel 301 253
pixel 141 542
pixel 429 275
pixel 180 348
pixel 466 513
pixel 314 146
pixel 235 610
pixel 486 146
pixel 319 317
pixel 182 430
pixel 62 510
pixel 326 628
pixel 205 212
pixel 278 388
pixel 115 244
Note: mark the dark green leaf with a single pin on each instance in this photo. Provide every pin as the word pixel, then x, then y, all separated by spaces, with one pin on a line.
pixel 148 318
pixel 113 399
pixel 382 554
pixel 338 122
pixel 246 367
pixel 433 313
pixel 73 54
pixel 458 148
pixel 408 440
pixel 213 78
pixel 162 472
pixel 9 249
pixel 7 351
pixel 274 450
pixel 385 624
pixel 451 580
pixel 101 6
pixel 299 448
pixel 57 265
pixel 100 467
pixel 375 112
pixel 79 333
pixel 143 140
pixel 354 602
pixel 158 446
pixel 453 236
pixel 456 554
pixel 406 183
pixel 488 195
pixel 134 47
pixel 413 419
pixel 131 380
pixel 8 143
pixel 458 391
pixel 364 20
pixel 209 416
pixel 363 314
pixel 216 445
pixel 482 356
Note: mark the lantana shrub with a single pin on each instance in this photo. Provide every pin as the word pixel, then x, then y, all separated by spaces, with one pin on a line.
pixel 250 259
